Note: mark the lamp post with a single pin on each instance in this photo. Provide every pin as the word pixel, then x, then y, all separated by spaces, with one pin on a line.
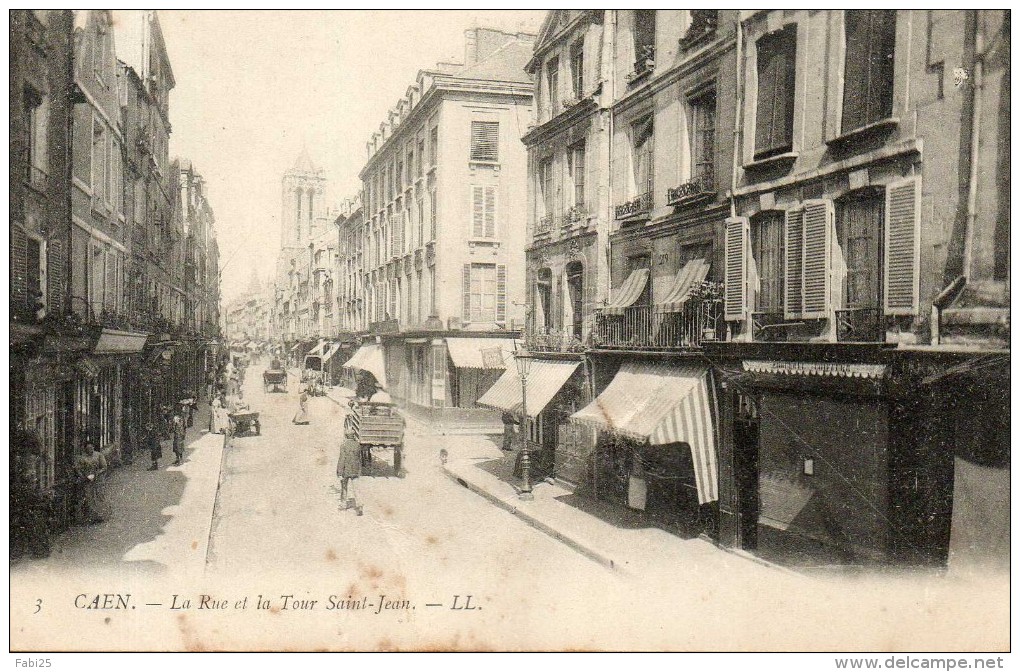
pixel 523 360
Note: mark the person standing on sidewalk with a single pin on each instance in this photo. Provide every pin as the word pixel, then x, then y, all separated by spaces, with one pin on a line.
pixel 348 469
pixel 509 422
pixel 154 445
pixel 179 432
pixel 302 415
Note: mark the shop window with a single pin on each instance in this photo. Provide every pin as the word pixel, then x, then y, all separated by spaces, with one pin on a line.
pixel 868 76
pixel 777 67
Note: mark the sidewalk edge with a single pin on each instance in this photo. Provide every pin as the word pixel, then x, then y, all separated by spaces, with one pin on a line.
pixel 577 545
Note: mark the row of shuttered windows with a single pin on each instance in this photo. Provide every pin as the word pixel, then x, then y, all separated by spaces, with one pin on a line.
pixel 870 238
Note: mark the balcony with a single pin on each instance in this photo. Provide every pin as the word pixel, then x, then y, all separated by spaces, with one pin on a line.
pixel 699 189
pixel 770 327
pixel 652 328
pixel 577 213
pixel 390 326
pixel 544 225
pixel 638 207
pixel 550 339
pixel 858 325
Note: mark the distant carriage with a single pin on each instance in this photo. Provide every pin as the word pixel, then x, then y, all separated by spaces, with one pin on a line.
pixel 275 379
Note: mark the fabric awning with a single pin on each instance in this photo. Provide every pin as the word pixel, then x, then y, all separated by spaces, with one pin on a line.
pixel 333 349
pixel 116 342
pixel 628 292
pixel 661 404
pixel 317 350
pixel 690 276
pixel 480 353
pixel 370 358
pixel 546 378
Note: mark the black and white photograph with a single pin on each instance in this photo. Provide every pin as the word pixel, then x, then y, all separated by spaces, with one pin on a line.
pixel 538 330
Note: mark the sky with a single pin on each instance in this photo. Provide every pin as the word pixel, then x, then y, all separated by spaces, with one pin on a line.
pixel 253 87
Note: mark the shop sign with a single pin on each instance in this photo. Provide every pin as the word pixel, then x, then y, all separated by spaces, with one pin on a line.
pixel 838 369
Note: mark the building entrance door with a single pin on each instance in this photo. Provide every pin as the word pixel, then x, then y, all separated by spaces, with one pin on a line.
pixel 746 425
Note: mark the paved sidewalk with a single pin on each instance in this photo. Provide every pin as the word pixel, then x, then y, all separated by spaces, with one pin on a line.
pixel 160 519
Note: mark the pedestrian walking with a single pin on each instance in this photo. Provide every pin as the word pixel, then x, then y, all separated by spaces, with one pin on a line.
pixel 348 469
pixel 179 432
pixel 509 422
pixel 153 443
pixel 301 418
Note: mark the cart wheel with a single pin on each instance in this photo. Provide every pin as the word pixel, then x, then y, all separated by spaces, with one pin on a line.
pixel 398 455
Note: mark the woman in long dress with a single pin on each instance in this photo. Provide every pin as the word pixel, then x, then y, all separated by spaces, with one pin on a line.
pixel 92 468
pixel 302 415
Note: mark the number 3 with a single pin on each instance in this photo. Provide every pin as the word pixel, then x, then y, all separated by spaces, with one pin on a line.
pixel 38 606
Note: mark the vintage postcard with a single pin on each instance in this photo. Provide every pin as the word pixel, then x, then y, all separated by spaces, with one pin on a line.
pixel 538 330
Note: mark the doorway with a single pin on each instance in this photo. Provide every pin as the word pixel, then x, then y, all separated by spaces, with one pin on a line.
pixel 746 431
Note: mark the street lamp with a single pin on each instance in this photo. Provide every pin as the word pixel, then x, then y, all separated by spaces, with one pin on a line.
pixel 523 360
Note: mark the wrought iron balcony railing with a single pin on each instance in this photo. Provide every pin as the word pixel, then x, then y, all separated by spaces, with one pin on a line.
pixel 638 206
pixel 858 325
pixel 544 225
pixel 700 187
pixel 651 327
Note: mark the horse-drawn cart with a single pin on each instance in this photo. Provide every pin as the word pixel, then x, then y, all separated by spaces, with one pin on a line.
pixel 276 379
pixel 377 425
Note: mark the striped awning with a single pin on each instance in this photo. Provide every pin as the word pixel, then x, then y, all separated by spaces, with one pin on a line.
pixel 480 353
pixel 545 379
pixel 333 349
pixel 661 404
pixel 370 358
pixel 690 276
pixel 628 292
pixel 318 349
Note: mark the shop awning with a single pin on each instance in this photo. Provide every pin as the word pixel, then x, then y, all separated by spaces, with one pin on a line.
pixel 480 353
pixel 661 404
pixel 333 349
pixel 628 292
pixel 690 276
pixel 370 358
pixel 318 349
pixel 115 342
pixel 545 379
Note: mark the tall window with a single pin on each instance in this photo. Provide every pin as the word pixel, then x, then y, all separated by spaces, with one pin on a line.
pixel 410 163
pixel 703 139
pixel 485 141
pixel 99 168
pixel 420 305
pixel 433 146
pixel 868 77
pixel 36 119
pixel 577 68
pixel 768 250
pixel 859 230
pixel 545 184
pixel 421 155
pixel 644 38
pixel 483 212
pixel 421 217
pixel 482 292
pixel 544 315
pixel 36 264
pixel 576 156
pixel 643 135
pixel 552 85
pixel 777 67
pixel 433 213
pixel 575 289
pixel 400 175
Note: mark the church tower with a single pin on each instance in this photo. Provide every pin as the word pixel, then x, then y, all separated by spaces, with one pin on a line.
pixel 303 202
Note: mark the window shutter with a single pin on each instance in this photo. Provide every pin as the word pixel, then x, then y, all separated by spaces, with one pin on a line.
pixel 793 301
pixel 19 265
pixel 490 212
pixel 735 294
pixel 398 236
pixel 477 211
pixel 55 272
pixel 818 229
pixel 467 293
pixel 902 246
pixel 501 293
pixel 484 140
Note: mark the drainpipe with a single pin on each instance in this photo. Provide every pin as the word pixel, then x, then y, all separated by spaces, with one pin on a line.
pixel 975 137
pixel 607 281
pixel 738 118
